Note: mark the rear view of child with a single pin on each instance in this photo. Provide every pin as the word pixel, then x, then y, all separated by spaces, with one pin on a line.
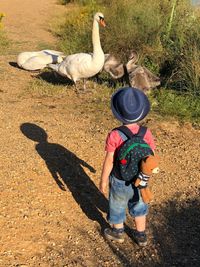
pixel 129 106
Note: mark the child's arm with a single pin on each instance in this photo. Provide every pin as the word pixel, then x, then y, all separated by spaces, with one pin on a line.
pixel 107 168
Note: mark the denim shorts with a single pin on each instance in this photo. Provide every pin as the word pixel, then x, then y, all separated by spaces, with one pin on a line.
pixel 121 197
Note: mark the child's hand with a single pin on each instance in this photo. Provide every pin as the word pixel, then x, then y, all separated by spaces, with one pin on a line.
pixel 103 187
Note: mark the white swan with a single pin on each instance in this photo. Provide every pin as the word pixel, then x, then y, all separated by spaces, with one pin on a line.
pixel 82 65
pixel 38 60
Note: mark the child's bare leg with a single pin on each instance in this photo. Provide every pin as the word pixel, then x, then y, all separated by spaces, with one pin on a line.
pixel 140 223
pixel 139 234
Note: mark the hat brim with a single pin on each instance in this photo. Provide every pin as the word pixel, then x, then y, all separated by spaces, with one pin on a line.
pixel 144 111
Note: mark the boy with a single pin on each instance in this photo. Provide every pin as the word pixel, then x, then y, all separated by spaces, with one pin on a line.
pixel 129 105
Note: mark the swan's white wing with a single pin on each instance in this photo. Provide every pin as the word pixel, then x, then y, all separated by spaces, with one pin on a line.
pixel 24 56
pixel 37 62
pixel 80 59
pixel 77 66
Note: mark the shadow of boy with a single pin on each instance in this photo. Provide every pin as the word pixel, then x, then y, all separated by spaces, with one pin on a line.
pixel 67 170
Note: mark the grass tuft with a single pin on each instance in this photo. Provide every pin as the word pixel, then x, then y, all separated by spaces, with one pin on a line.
pixel 170 103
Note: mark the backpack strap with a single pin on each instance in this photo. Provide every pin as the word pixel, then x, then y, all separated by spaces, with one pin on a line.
pixel 142 131
pixel 128 133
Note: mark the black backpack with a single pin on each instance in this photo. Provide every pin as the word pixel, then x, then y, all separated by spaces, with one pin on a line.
pixel 129 155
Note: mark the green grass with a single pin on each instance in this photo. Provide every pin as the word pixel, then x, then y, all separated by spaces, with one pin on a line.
pixel 4 42
pixel 38 87
pixel 184 107
pixel 164 102
pixel 64 2
pixel 80 2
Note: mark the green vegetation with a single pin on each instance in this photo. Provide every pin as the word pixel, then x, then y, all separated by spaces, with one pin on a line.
pixel 166 34
pixel 64 2
pixel 40 88
pixel 78 22
pixel 1 17
pixel 171 103
pixel 3 39
pixel 81 2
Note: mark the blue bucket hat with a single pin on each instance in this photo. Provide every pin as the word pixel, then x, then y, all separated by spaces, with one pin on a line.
pixel 129 105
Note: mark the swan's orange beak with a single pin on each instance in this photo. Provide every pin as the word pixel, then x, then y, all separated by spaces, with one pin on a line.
pixel 102 22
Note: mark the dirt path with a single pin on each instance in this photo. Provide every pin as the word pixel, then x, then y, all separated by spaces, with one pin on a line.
pixel 51 151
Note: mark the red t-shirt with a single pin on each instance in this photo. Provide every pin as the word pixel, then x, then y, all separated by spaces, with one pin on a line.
pixel 114 139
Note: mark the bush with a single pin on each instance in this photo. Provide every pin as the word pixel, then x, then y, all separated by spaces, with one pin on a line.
pixel 78 22
pixel 180 69
pixel 165 33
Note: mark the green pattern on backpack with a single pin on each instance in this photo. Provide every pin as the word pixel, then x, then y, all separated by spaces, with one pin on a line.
pixel 131 147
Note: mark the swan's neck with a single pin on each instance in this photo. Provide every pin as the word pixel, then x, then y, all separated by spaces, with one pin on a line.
pixel 96 39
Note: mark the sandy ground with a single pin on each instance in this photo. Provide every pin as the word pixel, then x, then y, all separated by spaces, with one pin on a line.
pixel 51 152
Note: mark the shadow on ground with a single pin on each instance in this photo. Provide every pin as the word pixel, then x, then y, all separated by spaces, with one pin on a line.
pixel 176 228
pixel 174 239
pixel 54 78
pixel 14 64
pixel 67 170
